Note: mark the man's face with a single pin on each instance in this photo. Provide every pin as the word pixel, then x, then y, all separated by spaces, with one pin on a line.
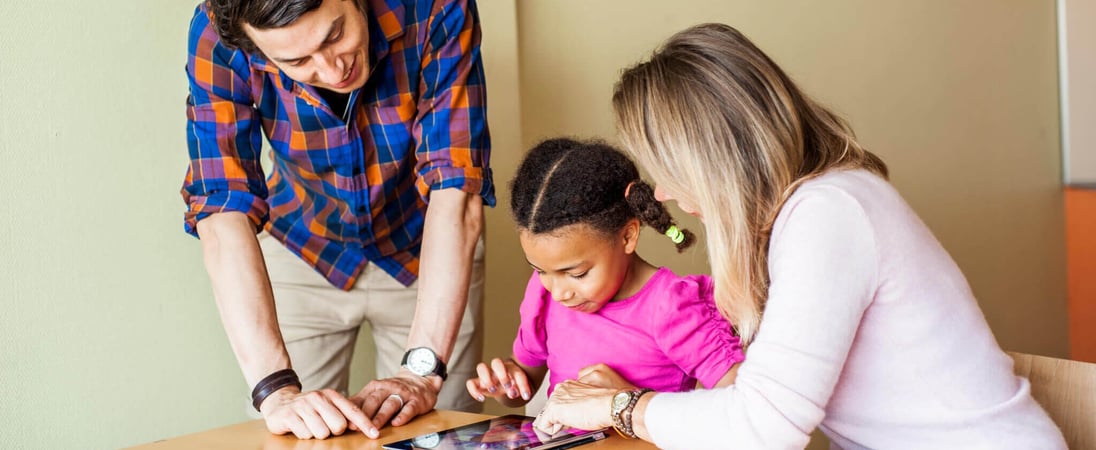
pixel 326 48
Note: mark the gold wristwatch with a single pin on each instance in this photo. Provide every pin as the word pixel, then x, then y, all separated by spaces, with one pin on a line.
pixel 621 411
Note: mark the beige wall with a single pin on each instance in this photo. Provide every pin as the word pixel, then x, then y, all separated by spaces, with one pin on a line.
pixel 109 333
pixel 959 98
pixel 1078 41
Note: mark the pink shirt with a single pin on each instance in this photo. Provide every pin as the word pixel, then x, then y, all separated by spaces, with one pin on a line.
pixel 871 333
pixel 665 337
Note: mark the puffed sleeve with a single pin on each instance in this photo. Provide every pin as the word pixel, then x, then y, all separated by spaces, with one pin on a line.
pixel 531 343
pixel 693 333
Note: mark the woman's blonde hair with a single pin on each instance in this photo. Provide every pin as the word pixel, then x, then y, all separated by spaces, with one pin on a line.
pixel 720 126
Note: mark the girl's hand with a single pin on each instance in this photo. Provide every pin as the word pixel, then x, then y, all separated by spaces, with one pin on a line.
pixel 601 375
pixel 501 379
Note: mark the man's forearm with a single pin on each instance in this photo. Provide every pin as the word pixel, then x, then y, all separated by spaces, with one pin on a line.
pixel 242 290
pixel 454 223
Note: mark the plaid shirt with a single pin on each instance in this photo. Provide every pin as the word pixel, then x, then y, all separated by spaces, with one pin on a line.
pixel 341 194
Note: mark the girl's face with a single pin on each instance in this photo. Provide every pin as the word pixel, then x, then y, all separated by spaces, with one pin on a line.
pixel 579 266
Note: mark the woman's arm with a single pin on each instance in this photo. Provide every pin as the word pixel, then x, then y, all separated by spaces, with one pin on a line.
pixel 823 265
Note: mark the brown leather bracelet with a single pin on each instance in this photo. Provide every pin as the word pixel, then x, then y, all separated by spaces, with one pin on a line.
pixel 271 383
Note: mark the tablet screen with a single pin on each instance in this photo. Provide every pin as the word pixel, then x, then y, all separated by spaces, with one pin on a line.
pixel 505 432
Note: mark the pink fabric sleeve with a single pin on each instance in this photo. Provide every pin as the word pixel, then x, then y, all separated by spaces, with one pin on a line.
pixel 530 345
pixel 693 333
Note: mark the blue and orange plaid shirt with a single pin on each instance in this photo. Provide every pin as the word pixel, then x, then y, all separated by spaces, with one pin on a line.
pixel 342 194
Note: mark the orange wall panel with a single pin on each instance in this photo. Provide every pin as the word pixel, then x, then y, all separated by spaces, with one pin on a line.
pixel 1080 211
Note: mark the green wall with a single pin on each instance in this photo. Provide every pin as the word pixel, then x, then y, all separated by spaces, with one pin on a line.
pixel 108 332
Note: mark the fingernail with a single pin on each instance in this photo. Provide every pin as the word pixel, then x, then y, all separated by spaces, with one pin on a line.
pixel 480 398
pixel 506 386
pixel 492 389
pixel 525 395
pixel 372 433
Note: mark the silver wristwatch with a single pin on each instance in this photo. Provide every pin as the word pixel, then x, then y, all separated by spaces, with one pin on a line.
pixel 422 361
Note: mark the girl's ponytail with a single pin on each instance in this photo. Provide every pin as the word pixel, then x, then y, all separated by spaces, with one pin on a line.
pixel 641 198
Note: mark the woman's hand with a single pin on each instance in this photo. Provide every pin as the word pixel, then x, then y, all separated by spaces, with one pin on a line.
pixel 576 404
pixel 583 403
pixel 501 379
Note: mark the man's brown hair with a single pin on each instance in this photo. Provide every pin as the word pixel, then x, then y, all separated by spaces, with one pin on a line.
pixel 229 17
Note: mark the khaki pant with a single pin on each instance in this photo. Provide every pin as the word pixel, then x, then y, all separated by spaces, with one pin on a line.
pixel 320 323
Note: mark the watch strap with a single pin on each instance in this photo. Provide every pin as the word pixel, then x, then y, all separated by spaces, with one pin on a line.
pixel 622 420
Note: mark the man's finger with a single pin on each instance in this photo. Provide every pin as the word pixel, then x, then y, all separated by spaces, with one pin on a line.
pixel 409 411
pixel 297 427
pixel 316 428
pixel 333 419
pixel 372 401
pixel 389 408
pixel 353 414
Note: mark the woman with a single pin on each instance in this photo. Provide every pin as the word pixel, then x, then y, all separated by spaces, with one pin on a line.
pixel 869 329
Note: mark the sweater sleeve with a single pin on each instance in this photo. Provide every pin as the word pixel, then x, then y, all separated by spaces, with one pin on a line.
pixel 823 264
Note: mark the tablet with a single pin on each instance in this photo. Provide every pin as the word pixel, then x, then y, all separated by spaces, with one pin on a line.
pixel 504 432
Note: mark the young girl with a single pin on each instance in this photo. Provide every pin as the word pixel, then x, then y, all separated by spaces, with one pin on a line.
pixel 592 300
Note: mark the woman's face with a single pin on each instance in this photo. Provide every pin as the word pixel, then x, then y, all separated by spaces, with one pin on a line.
pixel 580 266
pixel 663 196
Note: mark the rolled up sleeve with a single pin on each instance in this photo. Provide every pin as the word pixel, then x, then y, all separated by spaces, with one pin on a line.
pixel 224 137
pixel 453 149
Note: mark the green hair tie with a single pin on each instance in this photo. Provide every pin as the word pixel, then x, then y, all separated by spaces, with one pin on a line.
pixel 675 234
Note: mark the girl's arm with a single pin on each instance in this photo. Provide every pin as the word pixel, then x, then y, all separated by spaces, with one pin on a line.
pixel 728 379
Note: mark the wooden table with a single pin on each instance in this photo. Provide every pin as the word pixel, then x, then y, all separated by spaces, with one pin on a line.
pixel 253 435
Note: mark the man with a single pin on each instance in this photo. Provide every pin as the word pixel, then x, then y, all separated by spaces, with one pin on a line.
pixel 372 109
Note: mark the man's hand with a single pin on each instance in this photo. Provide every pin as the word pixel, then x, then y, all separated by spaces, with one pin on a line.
pixel 399 399
pixel 314 414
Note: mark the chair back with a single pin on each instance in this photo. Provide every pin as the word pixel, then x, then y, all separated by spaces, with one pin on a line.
pixel 1067 390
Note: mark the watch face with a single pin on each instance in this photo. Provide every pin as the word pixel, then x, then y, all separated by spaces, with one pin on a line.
pixel 427 440
pixel 620 400
pixel 421 361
